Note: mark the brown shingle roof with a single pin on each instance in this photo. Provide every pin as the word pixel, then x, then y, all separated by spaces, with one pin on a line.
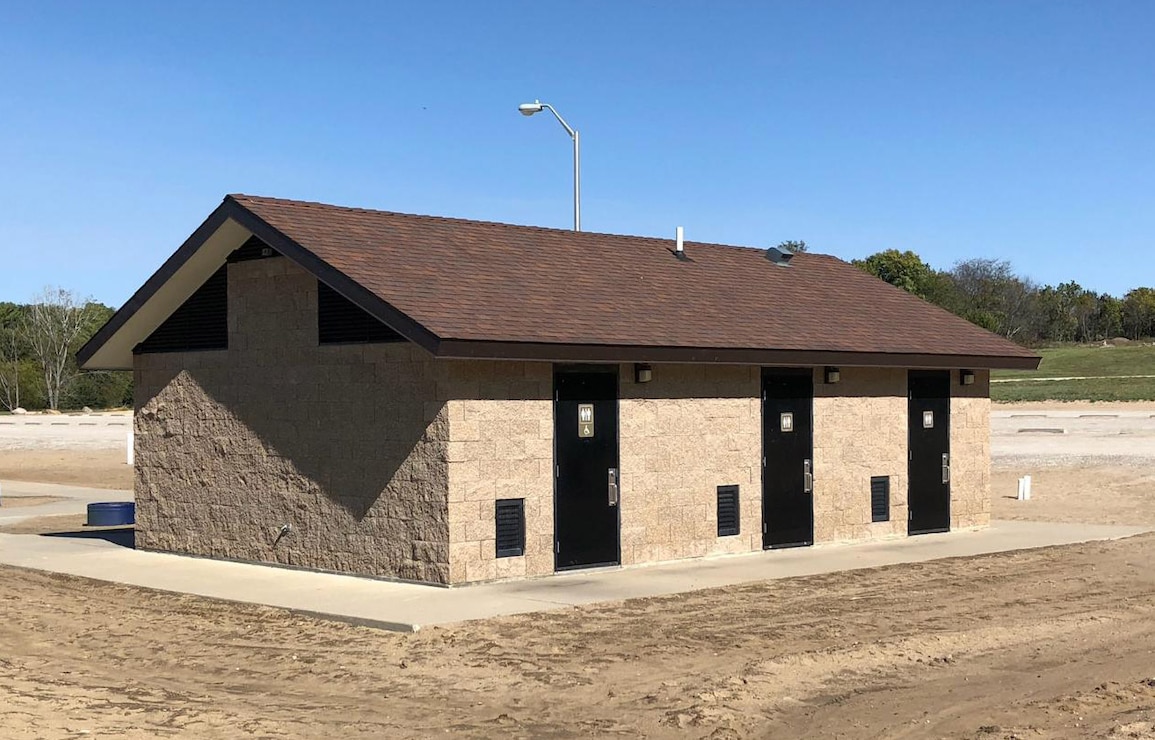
pixel 497 283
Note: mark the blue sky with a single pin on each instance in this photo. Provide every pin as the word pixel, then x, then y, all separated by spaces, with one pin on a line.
pixel 1020 130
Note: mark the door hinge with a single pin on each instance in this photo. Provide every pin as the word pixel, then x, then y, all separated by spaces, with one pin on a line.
pixel 557 471
pixel 909 514
pixel 763 461
pixel 557 548
pixel 763 527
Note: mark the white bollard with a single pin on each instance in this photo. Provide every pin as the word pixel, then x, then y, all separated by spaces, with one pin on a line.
pixel 1025 488
pixel 130 453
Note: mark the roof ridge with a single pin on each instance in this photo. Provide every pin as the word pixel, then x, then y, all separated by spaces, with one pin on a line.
pixel 458 220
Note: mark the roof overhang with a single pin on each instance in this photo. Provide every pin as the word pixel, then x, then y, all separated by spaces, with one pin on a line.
pixel 231 224
pixel 805 358
pixel 198 258
pixel 202 254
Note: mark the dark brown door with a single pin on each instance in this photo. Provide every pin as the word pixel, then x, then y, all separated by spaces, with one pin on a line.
pixel 586 466
pixel 928 468
pixel 787 462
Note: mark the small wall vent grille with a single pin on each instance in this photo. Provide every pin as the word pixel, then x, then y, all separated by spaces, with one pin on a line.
pixel 728 511
pixel 880 498
pixel 510 517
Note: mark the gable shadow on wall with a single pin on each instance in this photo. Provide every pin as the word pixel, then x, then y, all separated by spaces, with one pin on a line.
pixel 285 419
pixel 293 435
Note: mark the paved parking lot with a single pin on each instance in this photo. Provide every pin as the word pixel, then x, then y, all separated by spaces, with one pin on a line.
pixel 65 431
pixel 1072 436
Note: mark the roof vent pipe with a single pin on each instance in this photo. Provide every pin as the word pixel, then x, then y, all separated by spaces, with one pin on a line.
pixel 678 249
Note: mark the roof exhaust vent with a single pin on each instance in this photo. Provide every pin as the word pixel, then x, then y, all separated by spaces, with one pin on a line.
pixel 779 256
pixel 678 248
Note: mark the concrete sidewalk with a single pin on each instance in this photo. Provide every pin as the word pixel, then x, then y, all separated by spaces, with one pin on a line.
pixel 74 500
pixel 406 607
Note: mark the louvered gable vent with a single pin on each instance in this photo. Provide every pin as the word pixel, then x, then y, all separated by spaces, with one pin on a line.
pixel 340 321
pixel 201 322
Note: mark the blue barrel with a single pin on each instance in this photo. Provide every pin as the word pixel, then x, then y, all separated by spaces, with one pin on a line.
pixel 111 514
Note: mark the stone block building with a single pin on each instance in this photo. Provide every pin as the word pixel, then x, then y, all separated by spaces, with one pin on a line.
pixel 448 401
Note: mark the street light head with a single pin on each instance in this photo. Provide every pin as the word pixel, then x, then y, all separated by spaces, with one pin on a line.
pixel 528 109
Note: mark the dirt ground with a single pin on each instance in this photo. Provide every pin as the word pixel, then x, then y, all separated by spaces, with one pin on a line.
pixel 1099 495
pixel 1049 643
pixel 47 524
pixel 91 468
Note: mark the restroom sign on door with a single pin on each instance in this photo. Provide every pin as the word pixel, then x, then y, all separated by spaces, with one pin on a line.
pixel 585 420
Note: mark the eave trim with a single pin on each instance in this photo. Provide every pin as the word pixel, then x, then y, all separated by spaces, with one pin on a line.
pixel 197 239
pixel 465 349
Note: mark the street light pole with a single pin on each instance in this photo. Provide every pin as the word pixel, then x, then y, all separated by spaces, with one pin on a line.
pixel 528 109
pixel 577 182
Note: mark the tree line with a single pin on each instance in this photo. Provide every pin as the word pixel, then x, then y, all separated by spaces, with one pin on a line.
pixel 38 345
pixel 39 340
pixel 989 293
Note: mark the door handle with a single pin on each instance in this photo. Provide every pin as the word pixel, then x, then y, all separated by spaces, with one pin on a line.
pixel 613 487
pixel 946 467
pixel 807 477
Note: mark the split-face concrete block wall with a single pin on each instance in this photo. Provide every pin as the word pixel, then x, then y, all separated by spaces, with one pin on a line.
pixel 387 462
pixel 970 444
pixel 689 430
pixel 860 431
pixel 500 446
pixel 346 444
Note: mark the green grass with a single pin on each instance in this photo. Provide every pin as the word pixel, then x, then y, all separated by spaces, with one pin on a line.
pixel 1100 366
pixel 1099 389
pixel 1061 362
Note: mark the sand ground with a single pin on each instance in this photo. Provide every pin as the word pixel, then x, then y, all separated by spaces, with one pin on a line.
pixel 92 468
pixel 1050 643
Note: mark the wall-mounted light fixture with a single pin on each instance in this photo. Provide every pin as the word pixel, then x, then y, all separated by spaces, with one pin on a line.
pixel 966 377
pixel 833 375
pixel 643 373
